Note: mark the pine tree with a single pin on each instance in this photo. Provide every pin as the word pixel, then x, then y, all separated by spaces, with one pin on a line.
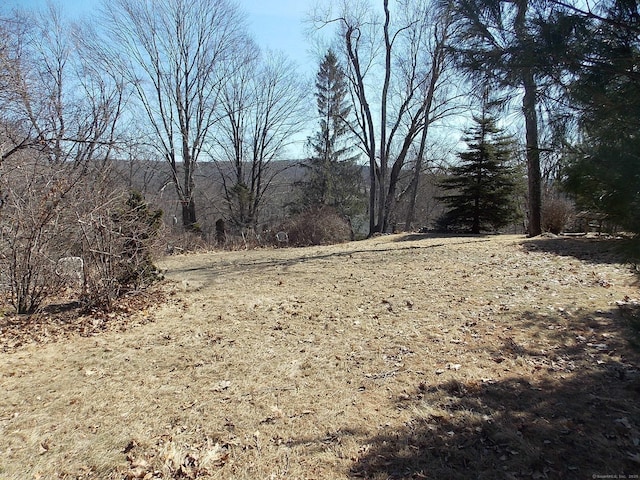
pixel 333 178
pixel 604 172
pixel 483 183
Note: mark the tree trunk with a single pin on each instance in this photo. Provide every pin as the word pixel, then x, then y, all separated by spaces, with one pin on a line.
pixel 390 201
pixel 383 183
pixel 372 196
pixel 415 180
pixel 188 204
pixel 475 227
pixel 437 66
pixel 189 216
pixel 396 170
pixel 368 132
pixel 531 123
pixel 533 154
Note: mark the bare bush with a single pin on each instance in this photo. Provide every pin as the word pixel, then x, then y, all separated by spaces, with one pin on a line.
pixel 67 231
pixel 315 226
pixel 33 231
pixel 117 237
pixel 58 125
pixel 557 211
pixel 175 243
pixel 247 239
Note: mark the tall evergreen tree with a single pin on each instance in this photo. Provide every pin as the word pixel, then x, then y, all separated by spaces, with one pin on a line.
pixel 483 183
pixel 334 179
pixel 604 173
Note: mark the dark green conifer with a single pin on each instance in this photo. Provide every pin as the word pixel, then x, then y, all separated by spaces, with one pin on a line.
pixel 483 184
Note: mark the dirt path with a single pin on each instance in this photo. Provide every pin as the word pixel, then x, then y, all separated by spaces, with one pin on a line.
pixel 396 357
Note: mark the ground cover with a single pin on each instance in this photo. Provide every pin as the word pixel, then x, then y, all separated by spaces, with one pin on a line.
pixel 403 356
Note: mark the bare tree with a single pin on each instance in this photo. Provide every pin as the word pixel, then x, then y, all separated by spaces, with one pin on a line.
pixel 53 101
pixel 264 108
pixel 438 92
pixel 11 139
pixel 178 55
pixel 393 86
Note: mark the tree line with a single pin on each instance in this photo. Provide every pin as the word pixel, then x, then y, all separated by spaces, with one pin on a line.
pixel 196 87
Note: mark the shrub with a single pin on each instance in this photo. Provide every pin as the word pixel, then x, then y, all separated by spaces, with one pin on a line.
pixel 117 238
pixel 556 213
pixel 33 232
pixel 316 226
pixel 181 242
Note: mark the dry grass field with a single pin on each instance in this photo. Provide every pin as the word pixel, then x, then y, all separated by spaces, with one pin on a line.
pixel 398 357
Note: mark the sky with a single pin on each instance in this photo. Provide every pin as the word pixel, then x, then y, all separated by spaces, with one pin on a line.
pixel 275 24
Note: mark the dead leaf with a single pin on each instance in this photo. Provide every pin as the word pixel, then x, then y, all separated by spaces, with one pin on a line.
pixel 130 446
pixel 277 412
pixel 136 473
pixel 139 463
pixel 44 447
pixel 215 456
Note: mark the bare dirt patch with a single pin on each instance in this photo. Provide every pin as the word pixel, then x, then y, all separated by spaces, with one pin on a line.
pixel 397 357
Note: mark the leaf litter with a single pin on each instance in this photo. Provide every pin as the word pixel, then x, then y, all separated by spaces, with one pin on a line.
pixel 401 356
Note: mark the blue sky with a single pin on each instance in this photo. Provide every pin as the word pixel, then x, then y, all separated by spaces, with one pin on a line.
pixel 275 24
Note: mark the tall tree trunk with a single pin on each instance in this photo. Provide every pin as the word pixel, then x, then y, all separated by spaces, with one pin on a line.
pixel 372 195
pixel 383 217
pixel 390 201
pixel 531 121
pixel 533 154
pixel 368 131
pixel 437 67
pixel 188 204
pixel 396 170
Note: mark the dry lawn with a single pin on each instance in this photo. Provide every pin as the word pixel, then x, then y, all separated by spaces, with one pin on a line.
pixel 396 357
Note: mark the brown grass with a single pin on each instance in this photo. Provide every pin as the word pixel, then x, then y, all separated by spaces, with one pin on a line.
pixel 397 357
